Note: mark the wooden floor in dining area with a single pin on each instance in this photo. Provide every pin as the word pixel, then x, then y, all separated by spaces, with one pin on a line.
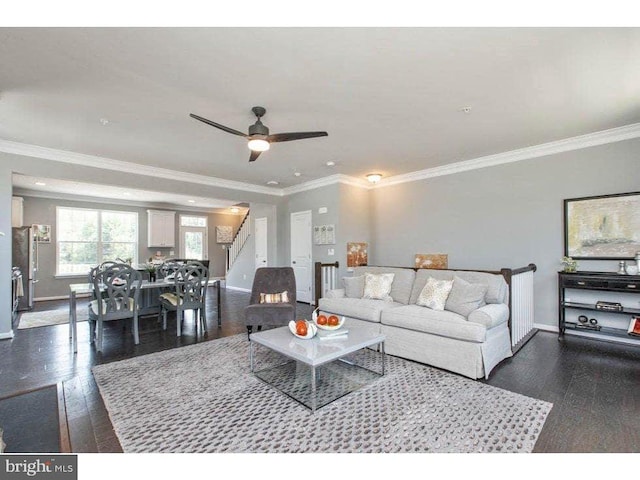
pixel 594 386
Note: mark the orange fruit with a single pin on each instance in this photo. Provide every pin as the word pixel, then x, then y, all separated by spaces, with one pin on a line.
pixel 321 320
pixel 333 321
pixel 302 328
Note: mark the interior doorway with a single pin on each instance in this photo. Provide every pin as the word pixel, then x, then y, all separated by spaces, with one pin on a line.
pixel 260 232
pixel 194 242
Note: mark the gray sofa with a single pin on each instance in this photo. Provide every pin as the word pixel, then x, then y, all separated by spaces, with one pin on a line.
pixel 470 345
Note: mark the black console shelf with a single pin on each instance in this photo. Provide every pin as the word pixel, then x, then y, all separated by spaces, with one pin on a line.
pixel 595 281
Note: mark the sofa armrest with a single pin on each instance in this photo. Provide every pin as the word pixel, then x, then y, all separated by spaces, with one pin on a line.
pixel 337 293
pixel 490 315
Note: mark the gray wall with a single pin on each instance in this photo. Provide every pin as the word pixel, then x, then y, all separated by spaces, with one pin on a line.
pixel 43 211
pixel 5 250
pixel 503 216
pixel 242 271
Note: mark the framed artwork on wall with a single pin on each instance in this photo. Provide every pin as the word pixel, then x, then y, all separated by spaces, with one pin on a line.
pixel 357 254
pixel 224 234
pixel 42 233
pixel 605 227
pixel 435 261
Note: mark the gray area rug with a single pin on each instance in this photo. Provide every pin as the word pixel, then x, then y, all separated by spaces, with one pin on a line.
pixel 202 398
pixel 47 317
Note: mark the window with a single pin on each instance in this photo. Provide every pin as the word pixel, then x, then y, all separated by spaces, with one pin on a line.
pixel 190 221
pixel 86 238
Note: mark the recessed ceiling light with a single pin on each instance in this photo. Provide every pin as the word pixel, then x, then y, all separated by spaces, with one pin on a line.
pixel 330 163
pixel 297 174
pixel 272 182
pixel 235 209
pixel 104 121
pixel 41 184
pixel 191 201
pixel 127 194
pixel 466 110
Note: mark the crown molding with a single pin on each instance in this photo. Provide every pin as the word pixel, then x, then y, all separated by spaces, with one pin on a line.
pixel 326 181
pixel 104 163
pixel 603 137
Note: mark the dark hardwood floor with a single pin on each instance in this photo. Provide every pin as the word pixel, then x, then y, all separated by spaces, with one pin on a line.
pixel 594 386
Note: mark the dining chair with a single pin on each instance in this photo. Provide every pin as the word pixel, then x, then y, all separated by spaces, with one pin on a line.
pixel 268 305
pixel 120 287
pixel 189 293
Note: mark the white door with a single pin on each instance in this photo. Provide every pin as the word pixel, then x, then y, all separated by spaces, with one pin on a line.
pixel 193 243
pixel 260 228
pixel 301 254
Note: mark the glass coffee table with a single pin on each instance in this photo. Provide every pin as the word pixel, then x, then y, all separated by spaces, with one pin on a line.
pixel 315 372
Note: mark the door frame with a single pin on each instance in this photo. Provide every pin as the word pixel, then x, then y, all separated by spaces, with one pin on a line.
pixel 309 214
pixel 205 238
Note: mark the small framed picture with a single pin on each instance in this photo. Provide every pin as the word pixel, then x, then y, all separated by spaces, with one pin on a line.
pixel 42 233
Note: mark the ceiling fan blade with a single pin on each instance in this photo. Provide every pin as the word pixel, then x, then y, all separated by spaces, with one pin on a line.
pixel 254 155
pixel 286 137
pixel 217 125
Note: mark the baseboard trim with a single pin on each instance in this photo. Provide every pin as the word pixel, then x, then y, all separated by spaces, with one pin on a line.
pixel 6 335
pixel 546 328
pixel 239 289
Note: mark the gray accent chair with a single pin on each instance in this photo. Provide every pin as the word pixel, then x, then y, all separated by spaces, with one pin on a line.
pixel 120 287
pixel 190 293
pixel 271 280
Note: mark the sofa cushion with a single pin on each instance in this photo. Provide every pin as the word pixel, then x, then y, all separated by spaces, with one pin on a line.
pixel 445 324
pixel 362 308
pixel 353 286
pixel 402 280
pixel 435 293
pixel 497 290
pixel 377 286
pixel 465 297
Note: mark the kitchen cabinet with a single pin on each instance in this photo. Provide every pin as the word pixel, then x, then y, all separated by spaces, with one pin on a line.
pixel 161 228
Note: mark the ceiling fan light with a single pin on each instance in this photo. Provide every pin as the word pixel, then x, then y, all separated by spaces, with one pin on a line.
pixel 374 177
pixel 258 145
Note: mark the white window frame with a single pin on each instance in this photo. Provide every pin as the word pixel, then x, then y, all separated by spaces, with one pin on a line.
pixel 99 241
pixel 182 229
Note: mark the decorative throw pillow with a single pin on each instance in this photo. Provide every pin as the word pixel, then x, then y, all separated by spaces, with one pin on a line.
pixel 378 286
pixel 434 294
pixel 465 297
pixel 353 286
pixel 282 297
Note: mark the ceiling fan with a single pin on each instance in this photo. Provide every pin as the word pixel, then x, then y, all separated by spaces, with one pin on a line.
pixel 258 136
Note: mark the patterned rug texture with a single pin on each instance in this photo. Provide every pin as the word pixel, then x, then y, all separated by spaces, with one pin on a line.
pixel 48 317
pixel 203 398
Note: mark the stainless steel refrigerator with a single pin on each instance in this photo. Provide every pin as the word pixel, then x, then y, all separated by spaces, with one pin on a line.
pixel 25 257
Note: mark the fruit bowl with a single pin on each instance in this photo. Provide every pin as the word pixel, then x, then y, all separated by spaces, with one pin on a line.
pixel 316 314
pixel 311 329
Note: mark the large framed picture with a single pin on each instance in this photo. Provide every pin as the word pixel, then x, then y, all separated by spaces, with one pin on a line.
pixel 605 227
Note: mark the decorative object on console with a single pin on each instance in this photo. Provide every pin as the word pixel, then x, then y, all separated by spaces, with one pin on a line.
pixel 435 261
pixel 634 327
pixel 435 293
pixel 622 267
pixel 602 227
pixel 357 254
pixel 569 265
pixel 42 233
pixel 224 234
pixel 632 269
pixel 609 306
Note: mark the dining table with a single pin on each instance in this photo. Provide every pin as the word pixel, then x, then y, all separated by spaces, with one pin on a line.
pixel 150 304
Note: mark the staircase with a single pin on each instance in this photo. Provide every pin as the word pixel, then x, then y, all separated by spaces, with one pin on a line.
pixel 238 242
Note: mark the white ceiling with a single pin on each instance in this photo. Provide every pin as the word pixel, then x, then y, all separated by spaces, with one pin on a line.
pixel 391 99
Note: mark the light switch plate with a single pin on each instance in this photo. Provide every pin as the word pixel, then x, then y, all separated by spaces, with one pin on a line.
pixel 331 252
